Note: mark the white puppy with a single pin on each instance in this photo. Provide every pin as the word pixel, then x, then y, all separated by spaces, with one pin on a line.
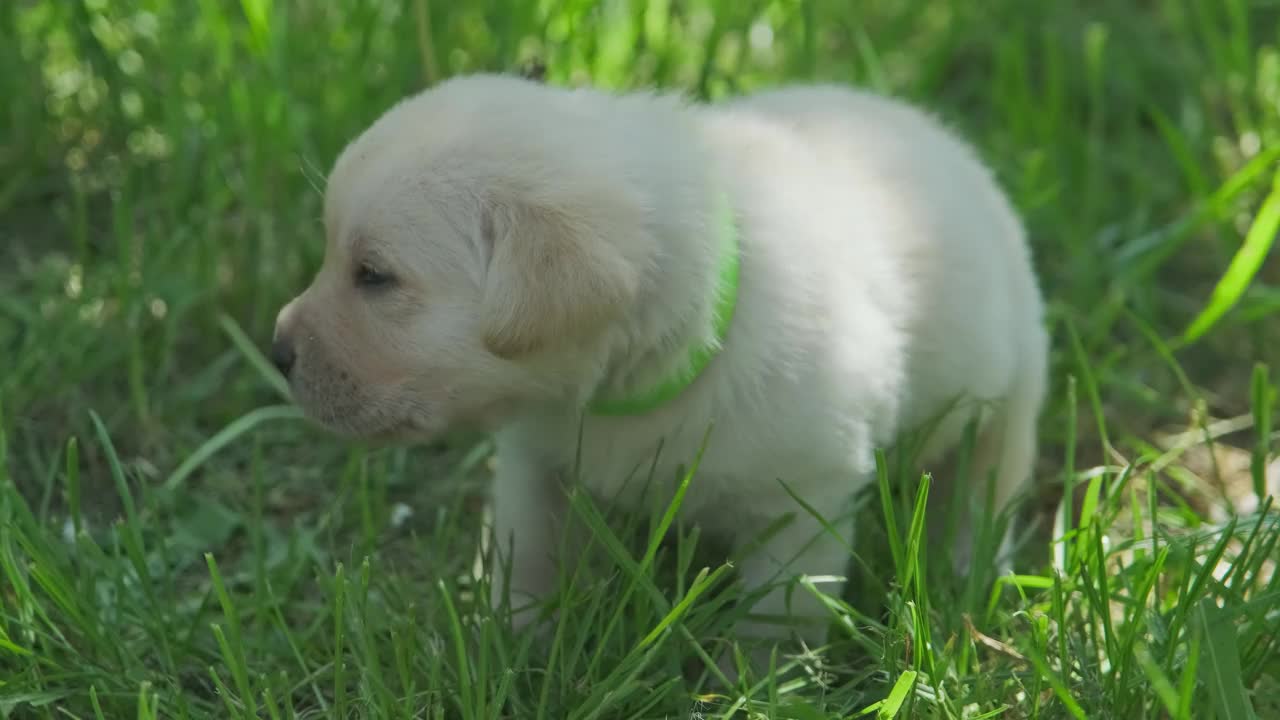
pixel 812 270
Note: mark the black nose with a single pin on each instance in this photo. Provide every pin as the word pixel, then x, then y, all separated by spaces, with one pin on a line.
pixel 282 355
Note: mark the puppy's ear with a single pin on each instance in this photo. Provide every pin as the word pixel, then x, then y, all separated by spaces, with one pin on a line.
pixel 552 278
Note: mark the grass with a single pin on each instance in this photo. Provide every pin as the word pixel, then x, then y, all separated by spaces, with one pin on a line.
pixel 174 542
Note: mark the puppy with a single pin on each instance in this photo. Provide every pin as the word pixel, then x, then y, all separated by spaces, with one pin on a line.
pixel 811 271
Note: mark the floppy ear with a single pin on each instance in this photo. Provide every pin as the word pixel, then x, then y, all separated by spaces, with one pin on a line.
pixel 552 278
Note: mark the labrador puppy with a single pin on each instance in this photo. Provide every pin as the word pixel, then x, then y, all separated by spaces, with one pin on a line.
pixel 810 272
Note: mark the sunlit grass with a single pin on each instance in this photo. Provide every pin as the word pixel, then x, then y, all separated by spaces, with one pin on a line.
pixel 175 543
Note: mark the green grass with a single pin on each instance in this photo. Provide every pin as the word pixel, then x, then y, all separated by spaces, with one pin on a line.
pixel 174 542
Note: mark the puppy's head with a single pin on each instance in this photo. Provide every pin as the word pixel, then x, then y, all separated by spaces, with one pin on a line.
pixel 472 259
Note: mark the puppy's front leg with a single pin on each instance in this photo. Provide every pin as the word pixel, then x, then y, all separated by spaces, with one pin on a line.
pixel 529 511
pixel 801 547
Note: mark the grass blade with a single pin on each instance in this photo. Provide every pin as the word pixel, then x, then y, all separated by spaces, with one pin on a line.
pixel 1264 398
pixel 897 696
pixel 1059 687
pixel 249 349
pixel 1220 664
pixel 1244 266
pixel 225 437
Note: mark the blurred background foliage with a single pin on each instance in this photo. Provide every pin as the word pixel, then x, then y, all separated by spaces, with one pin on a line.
pixel 159 159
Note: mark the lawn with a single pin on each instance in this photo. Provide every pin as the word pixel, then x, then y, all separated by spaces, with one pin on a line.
pixel 175 542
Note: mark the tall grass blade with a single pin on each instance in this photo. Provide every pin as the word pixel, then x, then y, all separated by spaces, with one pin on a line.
pixel 1220 664
pixel 1244 266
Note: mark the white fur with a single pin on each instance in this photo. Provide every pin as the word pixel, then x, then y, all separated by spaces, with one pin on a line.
pixel 883 276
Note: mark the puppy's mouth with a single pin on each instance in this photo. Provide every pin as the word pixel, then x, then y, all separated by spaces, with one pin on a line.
pixel 386 434
pixel 364 421
pixel 373 428
pixel 403 432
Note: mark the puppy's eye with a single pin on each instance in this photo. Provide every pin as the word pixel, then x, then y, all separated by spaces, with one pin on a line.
pixel 370 277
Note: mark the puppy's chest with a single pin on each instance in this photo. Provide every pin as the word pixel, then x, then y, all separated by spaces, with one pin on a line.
pixel 649 487
pixel 740 467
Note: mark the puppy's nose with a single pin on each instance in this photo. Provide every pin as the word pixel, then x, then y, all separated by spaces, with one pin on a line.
pixel 282 354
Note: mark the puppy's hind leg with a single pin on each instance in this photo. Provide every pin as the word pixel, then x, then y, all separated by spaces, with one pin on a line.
pixel 801 547
pixel 1002 464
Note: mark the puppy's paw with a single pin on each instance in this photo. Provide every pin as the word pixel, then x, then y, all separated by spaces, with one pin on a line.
pixel 962 556
pixel 747 667
pixel 521 600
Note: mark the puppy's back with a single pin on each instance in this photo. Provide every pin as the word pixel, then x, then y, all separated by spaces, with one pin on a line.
pixel 907 189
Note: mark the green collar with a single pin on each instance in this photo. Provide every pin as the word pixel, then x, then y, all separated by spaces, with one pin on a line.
pixel 726 299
